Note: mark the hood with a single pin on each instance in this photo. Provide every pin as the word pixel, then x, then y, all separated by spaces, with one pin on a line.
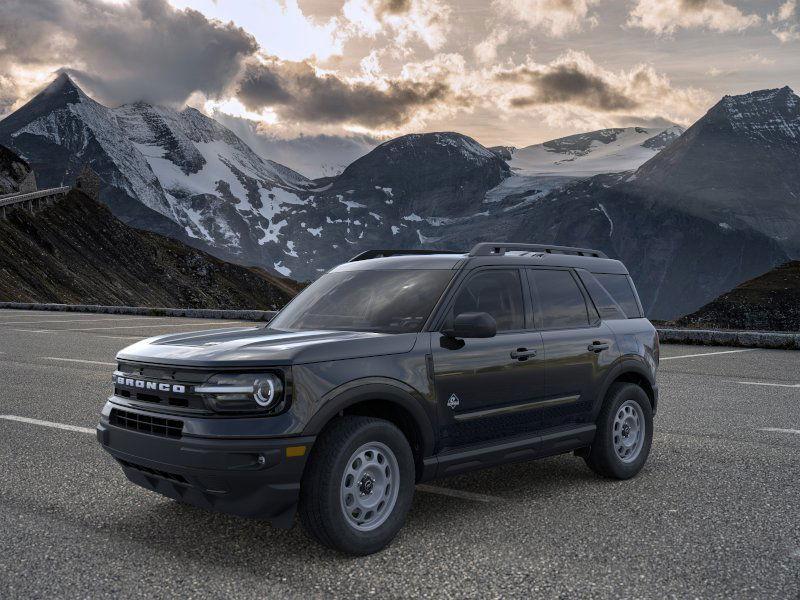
pixel 257 346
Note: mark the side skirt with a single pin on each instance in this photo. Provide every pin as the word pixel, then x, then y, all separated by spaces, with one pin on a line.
pixel 471 458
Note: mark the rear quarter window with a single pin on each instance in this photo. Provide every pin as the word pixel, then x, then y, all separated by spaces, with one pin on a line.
pixel 620 287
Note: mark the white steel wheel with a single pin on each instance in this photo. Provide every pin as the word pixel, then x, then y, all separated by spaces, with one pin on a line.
pixel 369 486
pixel 629 431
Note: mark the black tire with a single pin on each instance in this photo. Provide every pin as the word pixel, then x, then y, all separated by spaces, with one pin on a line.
pixel 602 457
pixel 320 505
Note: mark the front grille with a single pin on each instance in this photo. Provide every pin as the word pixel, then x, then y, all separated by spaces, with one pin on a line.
pixel 171 428
pixel 186 401
pixel 157 472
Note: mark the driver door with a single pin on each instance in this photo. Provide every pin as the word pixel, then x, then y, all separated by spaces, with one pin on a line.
pixel 487 388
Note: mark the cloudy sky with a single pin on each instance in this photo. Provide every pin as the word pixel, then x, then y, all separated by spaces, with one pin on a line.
pixel 503 71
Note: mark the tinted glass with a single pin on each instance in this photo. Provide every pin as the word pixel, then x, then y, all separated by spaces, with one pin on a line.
pixel 608 307
pixel 560 301
pixel 621 289
pixel 382 301
pixel 496 292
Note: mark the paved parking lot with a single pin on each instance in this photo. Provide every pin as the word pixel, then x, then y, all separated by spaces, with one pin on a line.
pixel 714 514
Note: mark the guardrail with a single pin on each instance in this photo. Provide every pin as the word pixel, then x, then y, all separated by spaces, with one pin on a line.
pixel 718 337
pixel 195 313
pixel 15 198
pixel 31 200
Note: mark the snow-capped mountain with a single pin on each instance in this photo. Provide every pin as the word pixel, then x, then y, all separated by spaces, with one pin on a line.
pixel 386 199
pixel 739 165
pixel 176 172
pixel 593 153
pixel 183 174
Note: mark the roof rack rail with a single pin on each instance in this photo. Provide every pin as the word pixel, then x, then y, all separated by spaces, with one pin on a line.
pixel 498 249
pixel 386 253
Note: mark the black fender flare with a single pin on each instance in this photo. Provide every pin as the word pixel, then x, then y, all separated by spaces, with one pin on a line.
pixel 375 388
pixel 625 364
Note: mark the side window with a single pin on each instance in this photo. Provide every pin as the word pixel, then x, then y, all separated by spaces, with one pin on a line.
pixel 560 300
pixel 608 307
pixel 621 289
pixel 497 292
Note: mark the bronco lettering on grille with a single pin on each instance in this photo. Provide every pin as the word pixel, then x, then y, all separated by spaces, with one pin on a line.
pixel 150 385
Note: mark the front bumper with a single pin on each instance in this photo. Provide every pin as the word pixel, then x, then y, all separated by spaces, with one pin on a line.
pixel 254 477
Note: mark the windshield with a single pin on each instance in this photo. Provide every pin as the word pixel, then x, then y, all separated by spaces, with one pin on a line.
pixel 382 301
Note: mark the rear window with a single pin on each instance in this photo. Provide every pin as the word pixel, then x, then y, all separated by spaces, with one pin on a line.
pixel 621 289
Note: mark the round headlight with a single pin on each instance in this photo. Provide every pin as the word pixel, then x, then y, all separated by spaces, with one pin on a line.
pixel 266 391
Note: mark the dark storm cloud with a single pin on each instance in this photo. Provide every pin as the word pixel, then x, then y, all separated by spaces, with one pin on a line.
pixel 297 92
pixel 567 83
pixel 141 50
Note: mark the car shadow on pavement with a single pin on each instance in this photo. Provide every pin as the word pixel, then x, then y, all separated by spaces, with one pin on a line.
pixel 217 539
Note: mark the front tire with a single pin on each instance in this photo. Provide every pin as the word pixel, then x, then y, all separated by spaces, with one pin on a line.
pixel 358 485
pixel 624 433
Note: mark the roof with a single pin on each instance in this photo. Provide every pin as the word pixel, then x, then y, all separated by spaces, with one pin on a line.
pixel 552 256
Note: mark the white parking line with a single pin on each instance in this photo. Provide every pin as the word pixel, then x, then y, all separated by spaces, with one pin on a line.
pixel 706 354
pixel 785 385
pixel 432 489
pixel 777 430
pixel 79 360
pixel 48 424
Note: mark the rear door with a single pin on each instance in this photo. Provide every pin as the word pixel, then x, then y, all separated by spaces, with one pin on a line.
pixel 579 348
pixel 486 388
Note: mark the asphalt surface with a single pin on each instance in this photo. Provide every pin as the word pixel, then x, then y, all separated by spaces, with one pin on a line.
pixel 714 514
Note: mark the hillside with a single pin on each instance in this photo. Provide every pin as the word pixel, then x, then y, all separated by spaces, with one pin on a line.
pixel 770 302
pixel 14 172
pixel 76 252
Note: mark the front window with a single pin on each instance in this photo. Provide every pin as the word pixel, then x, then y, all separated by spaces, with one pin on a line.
pixel 398 301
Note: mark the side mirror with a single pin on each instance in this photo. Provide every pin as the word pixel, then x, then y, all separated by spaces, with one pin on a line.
pixel 472 325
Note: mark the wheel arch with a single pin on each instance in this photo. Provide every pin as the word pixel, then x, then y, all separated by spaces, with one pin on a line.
pixel 629 371
pixel 390 400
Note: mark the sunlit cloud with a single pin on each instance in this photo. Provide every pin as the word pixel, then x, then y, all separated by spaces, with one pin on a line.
pixel 664 17
pixel 280 27
pixel 555 17
pixel 573 86
pixel 486 50
pixel 788 28
pixel 235 108
pixel 405 21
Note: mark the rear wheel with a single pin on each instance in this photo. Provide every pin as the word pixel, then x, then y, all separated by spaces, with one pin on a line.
pixel 358 486
pixel 624 433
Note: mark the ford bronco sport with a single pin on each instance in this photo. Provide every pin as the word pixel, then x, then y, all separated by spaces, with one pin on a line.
pixel 394 368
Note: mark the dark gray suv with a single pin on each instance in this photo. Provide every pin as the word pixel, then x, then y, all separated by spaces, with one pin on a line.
pixel 395 368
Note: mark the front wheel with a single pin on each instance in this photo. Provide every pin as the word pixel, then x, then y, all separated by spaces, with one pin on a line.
pixel 358 486
pixel 624 433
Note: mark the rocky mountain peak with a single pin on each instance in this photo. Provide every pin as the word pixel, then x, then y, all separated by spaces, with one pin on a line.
pixel 763 114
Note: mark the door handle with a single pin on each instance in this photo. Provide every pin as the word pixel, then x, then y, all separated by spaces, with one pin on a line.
pixel 597 346
pixel 522 353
